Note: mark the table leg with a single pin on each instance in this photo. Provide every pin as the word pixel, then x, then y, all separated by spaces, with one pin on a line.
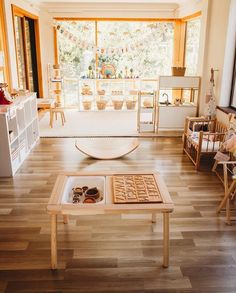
pixel 54 241
pixel 154 218
pixel 228 219
pixel 165 239
pixel 65 219
pixel 226 196
pixel 51 118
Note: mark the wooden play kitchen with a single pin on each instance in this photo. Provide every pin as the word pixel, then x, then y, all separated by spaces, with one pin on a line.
pixel 107 192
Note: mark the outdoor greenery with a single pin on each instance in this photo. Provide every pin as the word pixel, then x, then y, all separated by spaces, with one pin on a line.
pixel 144 49
pixel 135 48
pixel 192 46
pixel 76 58
pixel 141 49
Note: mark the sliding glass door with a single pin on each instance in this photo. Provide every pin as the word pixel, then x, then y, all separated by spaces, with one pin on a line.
pixel 21 62
pixel 27 57
pixel 31 55
pixel 4 69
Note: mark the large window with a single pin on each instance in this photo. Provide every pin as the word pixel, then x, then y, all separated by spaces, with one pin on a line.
pixel 76 43
pixel 4 73
pixel 2 57
pixel 144 48
pixel 135 48
pixel 19 36
pixel 233 86
pixel 26 31
pixel 192 46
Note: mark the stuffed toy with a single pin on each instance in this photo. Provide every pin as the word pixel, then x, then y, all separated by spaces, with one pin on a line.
pixel 4 100
pixel 230 144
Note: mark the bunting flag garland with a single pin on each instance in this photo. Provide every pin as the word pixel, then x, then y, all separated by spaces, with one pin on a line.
pixel 101 50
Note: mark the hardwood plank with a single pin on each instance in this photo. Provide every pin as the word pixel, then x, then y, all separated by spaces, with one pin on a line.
pixel 115 253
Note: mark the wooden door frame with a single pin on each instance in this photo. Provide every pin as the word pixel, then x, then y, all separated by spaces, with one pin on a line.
pixel 17 11
pixel 5 46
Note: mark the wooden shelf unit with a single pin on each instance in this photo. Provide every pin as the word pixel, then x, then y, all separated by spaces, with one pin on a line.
pixel 172 117
pixel 19 132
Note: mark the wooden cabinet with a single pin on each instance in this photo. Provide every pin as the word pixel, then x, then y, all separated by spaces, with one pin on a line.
pixel 178 98
pixel 19 132
pixel 173 117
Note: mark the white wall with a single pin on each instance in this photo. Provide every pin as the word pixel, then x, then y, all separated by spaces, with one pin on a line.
pixel 229 57
pixel 10 34
pixel 47 46
pixel 190 7
pixel 214 47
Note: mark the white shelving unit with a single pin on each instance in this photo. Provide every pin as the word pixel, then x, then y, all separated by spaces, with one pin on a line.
pixel 109 91
pixel 172 117
pixel 55 82
pixel 147 106
pixel 147 118
pixel 19 133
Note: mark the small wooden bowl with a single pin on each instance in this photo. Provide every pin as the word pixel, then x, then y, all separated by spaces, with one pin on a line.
pixel 89 200
pixel 77 191
pixel 92 193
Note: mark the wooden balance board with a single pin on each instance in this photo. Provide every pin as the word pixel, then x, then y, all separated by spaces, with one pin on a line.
pixel 106 148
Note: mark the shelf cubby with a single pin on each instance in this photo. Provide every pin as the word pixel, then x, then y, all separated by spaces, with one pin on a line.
pixel 20 116
pixel 28 112
pixel 13 128
pixel 18 131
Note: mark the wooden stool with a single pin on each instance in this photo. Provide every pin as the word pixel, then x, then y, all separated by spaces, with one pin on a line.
pixel 57 111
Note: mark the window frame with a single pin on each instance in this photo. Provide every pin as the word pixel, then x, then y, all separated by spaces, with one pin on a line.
pixel 96 20
pixel 17 11
pixel 186 32
pixel 6 70
pixel 233 84
pixel 179 44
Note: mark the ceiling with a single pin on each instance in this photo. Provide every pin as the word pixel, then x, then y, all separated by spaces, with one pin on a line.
pixel 179 2
pixel 113 8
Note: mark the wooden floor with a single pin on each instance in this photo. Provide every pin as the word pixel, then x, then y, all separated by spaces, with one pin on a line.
pixel 121 253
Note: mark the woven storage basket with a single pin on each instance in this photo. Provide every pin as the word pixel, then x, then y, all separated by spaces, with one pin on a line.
pixel 57 92
pixel 117 105
pixel 87 105
pixel 178 71
pixel 130 105
pixel 56 66
pixel 101 105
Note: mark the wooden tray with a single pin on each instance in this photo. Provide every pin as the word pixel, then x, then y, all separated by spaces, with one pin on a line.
pixel 135 189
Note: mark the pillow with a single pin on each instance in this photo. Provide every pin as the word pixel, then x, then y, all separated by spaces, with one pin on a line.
pixel 230 143
pixel 221 157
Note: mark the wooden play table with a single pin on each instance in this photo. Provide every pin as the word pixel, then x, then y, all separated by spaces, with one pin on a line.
pixel 60 203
